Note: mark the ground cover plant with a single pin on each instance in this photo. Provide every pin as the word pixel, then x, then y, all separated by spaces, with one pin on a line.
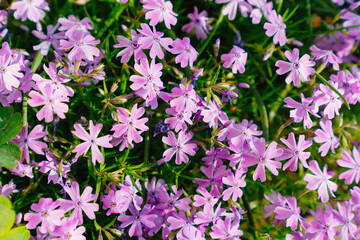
pixel 154 119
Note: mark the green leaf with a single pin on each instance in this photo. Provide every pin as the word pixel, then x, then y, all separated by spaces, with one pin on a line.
pixel 5 115
pixel 7 216
pixel 10 124
pixel 9 153
pixel 18 233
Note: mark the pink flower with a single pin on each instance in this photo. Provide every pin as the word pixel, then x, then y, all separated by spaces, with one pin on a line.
pixel 187 53
pixel 132 47
pixel 82 46
pixel 214 176
pixel 262 8
pixel 71 24
pixel 178 122
pixel 79 203
pixel 326 135
pixel 45 212
pixel 237 58
pixel 262 158
pixel 199 21
pixel 231 8
pixel 212 114
pixel 179 146
pixel 22 170
pixel 300 68
pixel 184 97
pixel 324 226
pixel 327 56
pixel 246 131
pixel 226 230
pixel 302 110
pixel 326 96
pixel 295 152
pixel 68 230
pixel 345 216
pixel 30 9
pixel 352 163
pixel 52 99
pixel 131 126
pixel 290 212
pixel 320 181
pixel 9 71
pixel 349 84
pixel 276 28
pixel 207 199
pixel 160 11
pixel 236 182
pixel 91 140
pixel 48 40
pixel 153 40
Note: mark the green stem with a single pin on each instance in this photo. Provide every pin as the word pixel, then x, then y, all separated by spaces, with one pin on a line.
pixel 24 109
pixel 203 47
pixel 263 114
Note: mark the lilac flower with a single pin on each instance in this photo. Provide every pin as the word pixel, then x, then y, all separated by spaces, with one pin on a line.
pixel 71 24
pixel 153 40
pixel 214 156
pixel 187 53
pixel 178 122
pixel 114 201
pixel 277 200
pixel 199 21
pixel 45 212
pixel 226 230
pixel 291 213
pixel 8 188
pixel 327 56
pixel 212 114
pixel 79 203
pixel 209 214
pixel 129 194
pixel 207 198
pixel 68 230
pixel 9 71
pixel 22 170
pixel 173 201
pixel 160 11
pixel 180 146
pixel 91 140
pixel 48 40
pixel 262 158
pixel 25 140
pixel 214 176
pixel 326 96
pixel 276 28
pixel 349 84
pixel 82 46
pixel 56 170
pixel 52 99
pixel 130 127
pixel 154 190
pixel 132 47
pixel 302 110
pixel 352 163
pixel 231 8
pixel 345 216
pixel 324 227
pixel 237 58
pixel 320 181
pixel 181 221
pixel 236 182
pixel 262 8
pixel 295 152
pixel 246 131
pixel 30 9
pixel 300 68
pixel 184 97
pixel 326 135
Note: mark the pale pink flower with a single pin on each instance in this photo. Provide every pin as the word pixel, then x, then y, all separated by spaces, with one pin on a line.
pixel 276 28
pixel 231 8
pixel 236 182
pixel 30 9
pixel 132 47
pixel 187 53
pixel 160 11
pixel 199 21
pixel 326 136
pixel 350 162
pixel 237 58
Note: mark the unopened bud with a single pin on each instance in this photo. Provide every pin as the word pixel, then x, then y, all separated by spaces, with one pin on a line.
pixel 119 100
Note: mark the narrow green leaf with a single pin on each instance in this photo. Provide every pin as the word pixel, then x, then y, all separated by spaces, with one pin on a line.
pixel 37 61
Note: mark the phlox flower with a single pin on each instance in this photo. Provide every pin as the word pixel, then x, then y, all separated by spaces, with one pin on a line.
pixel 235 182
pixel 129 194
pixel 114 201
pixel 349 84
pixel 179 220
pixel 91 140
pixel 130 127
pixel 31 140
pixel 262 157
pixel 79 203
pixel 276 27
pixel 226 230
pixel 295 152
pixel 52 99
pixel 214 177
pixel 301 110
pixel 350 162
pixel 199 21
pixel 237 58
pixel 350 20
pixel 299 68
pixel 154 189
pixel 345 216
pixel 46 213
pixel 245 131
pixel 55 169
pixel 179 119
pixel 290 212
pixel 71 24
pixel 8 188
pixel 49 39
pixel 207 198
pixel 214 156
pixel 324 226
pixel 276 200
pixel 326 136
pixel 184 98
pixel 187 53
pixel 173 201
pixel 22 170
pixel 153 40
pixel 231 8
pixel 132 47
pixel 82 46
pixel 209 214
pixel 261 8
pixel 212 114
pixel 30 9
pixel 180 146
pixel 320 181
pixel 10 71
pixel 160 11
pixel 332 101
pixel 68 230
pixel 327 56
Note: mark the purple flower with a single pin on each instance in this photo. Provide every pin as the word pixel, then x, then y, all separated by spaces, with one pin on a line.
pixel 209 214
pixel 320 181
pixel 326 136
pixel 326 96
pixel 226 230
pixel 91 140
pixel 302 110
pixel 173 201
pixel 345 216
pixel 30 9
pixel 349 84
pixel 199 21
pixel 212 114
pixel 276 200
pixel 71 24
pixel 352 163
pixel 299 68
pixel 214 176
pixel 8 188
pixel 132 47
pixel 214 156
pixel 45 212
pixel 246 131
pixel 236 182
pixel 22 170
pixel 56 170
pixel 79 203
pixel 138 220
pixel 82 46
pixel 153 40
pixel 178 122
pixel 160 11
pixel 180 146
pixel 324 227
pixel 327 56
pixel 181 221
pixel 290 212
pixel 68 231
pixel 187 53
pixel 276 28
pixel 231 8
pixel 352 20
pixel 48 40
pixel 184 98
pixel 295 152
pixel 161 128
pixel 206 198
pixel 262 158
pixel 237 58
